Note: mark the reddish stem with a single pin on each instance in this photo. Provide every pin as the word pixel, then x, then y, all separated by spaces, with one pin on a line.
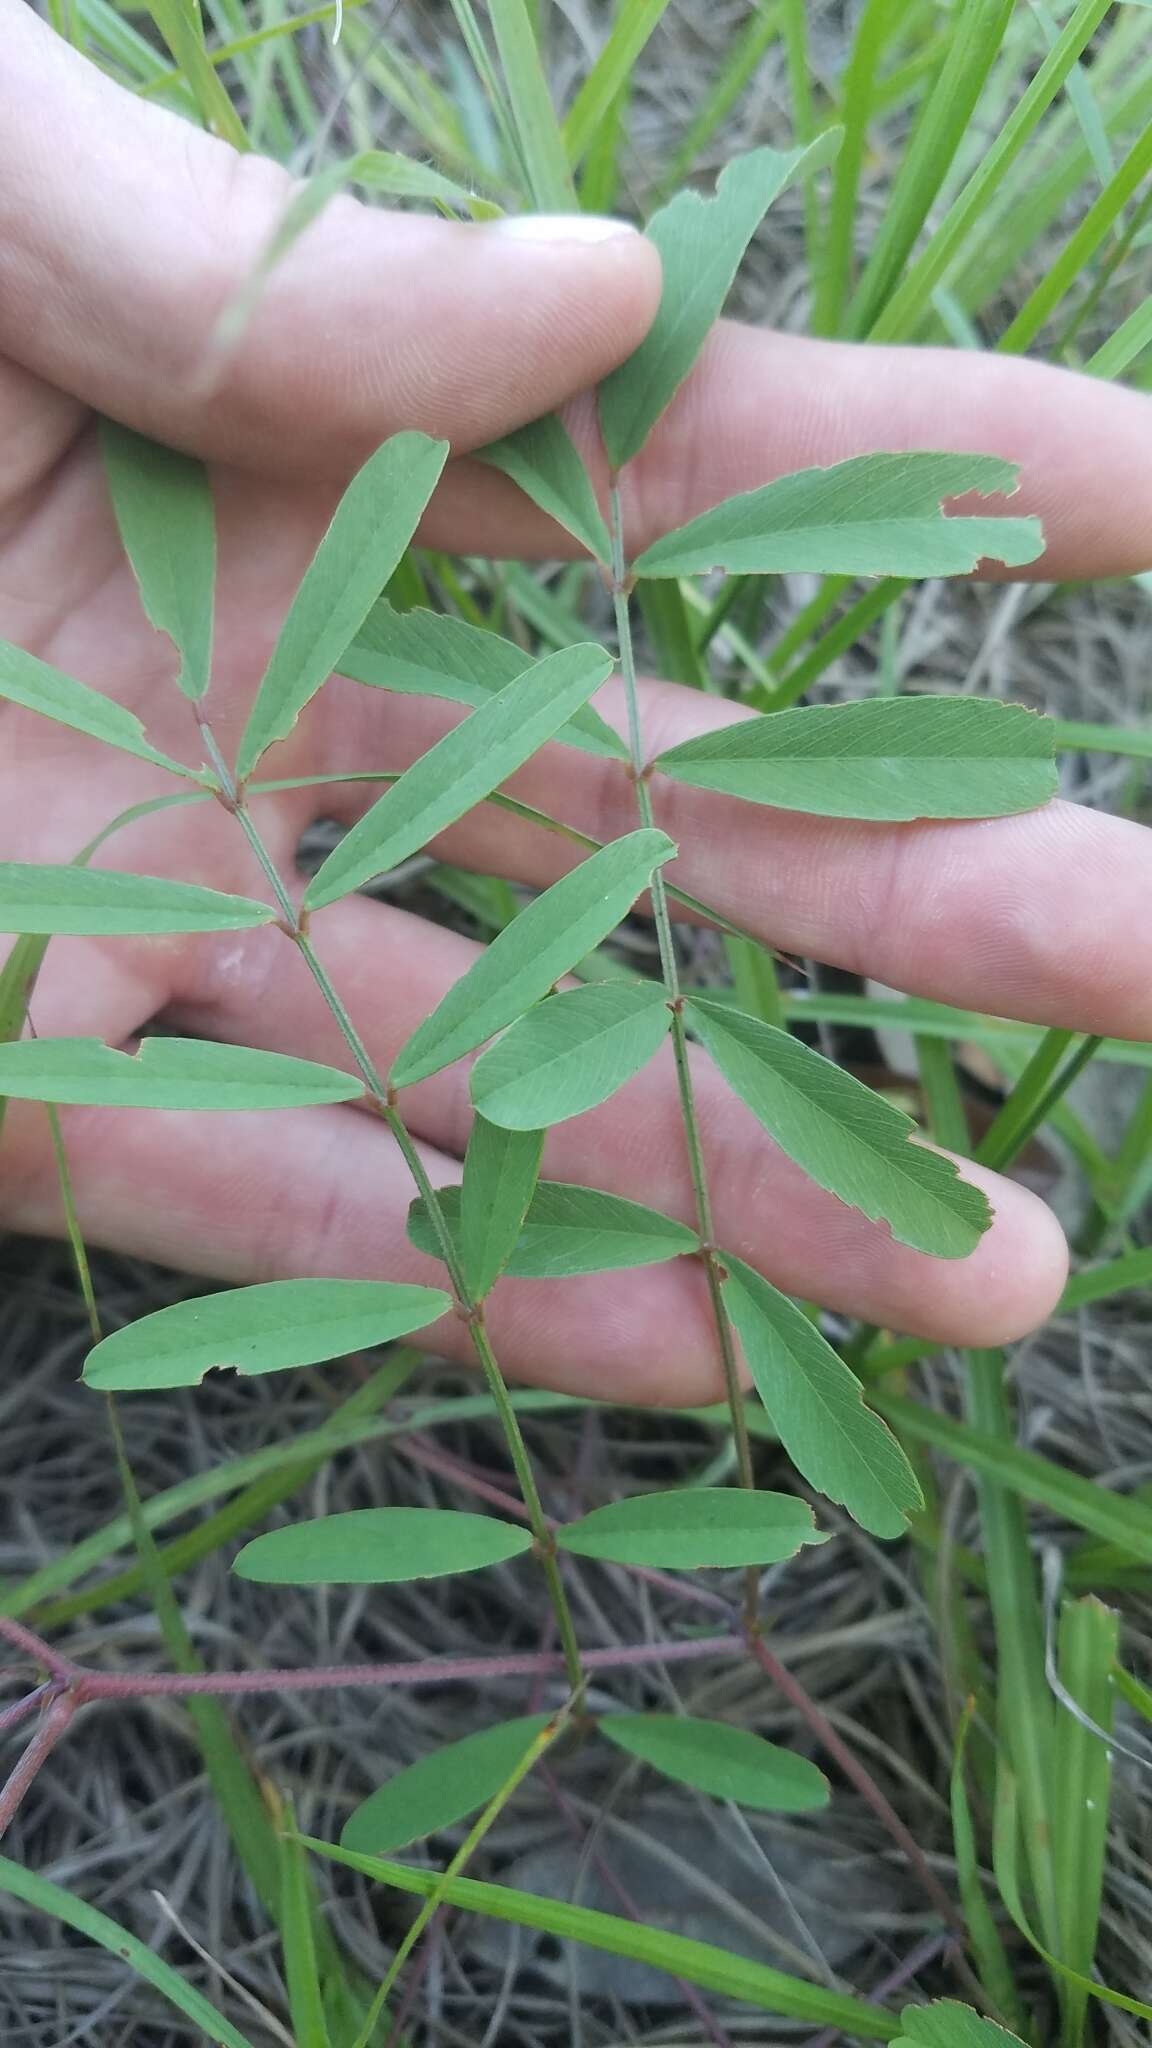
pixel 11 1717
pixel 36 1649
pixel 53 1727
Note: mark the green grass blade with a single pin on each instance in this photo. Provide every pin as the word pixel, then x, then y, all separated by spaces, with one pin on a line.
pixel 1081 1794
pixel 634 23
pixel 182 28
pixel 541 140
pixel 988 1949
pixel 761 27
pixel 1070 264
pixel 834 270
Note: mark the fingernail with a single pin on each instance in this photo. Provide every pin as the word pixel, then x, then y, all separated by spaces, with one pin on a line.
pixel 562 227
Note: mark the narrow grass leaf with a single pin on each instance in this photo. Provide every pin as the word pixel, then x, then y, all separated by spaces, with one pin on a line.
pixel 380 1547
pixel 501 1169
pixel 697 1962
pixel 426 654
pixel 571 1052
pixel 632 25
pixel 18 978
pixel 266 1328
pixel 182 27
pixel 949 2025
pixel 849 1139
pixel 38 687
pixel 370 529
pixel 873 515
pixel 537 128
pixel 1088 1641
pixel 167 1073
pixel 701 244
pixel 571 1230
pixel 298 1942
pixel 461 769
pixel 441 1789
pixel 45 1897
pixel 816 1404
pixel 726 1762
pixel 890 758
pixel 543 460
pixel 718 1526
pixel 102 902
pixel 163 506
pixel 523 962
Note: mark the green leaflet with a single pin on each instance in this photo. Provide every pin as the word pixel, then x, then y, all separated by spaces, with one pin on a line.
pixel 167 1073
pixel 545 942
pixel 461 769
pixel 501 1169
pixel 543 460
pixel 266 1328
pixel 163 507
pixel 370 529
pixel 945 2024
pixel 701 243
pixel 571 1230
pixel 816 1405
pixel 380 1547
pixel 874 515
pixel 442 1788
pixel 569 1053
pixel 102 902
pixel 890 758
pixel 850 1140
pixel 694 1526
pixel 427 654
pixel 38 687
pixel 726 1762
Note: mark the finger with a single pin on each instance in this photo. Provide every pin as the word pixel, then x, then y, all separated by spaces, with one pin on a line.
pixel 124 232
pixel 761 404
pixel 1041 917
pixel 391 969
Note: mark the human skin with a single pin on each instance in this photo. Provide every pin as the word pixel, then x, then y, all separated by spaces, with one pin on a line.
pixel 122 234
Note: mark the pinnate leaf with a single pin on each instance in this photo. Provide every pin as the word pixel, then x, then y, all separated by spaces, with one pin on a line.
pixel 694 1526
pixel 726 1762
pixel 571 1052
pixel 370 529
pixel 701 243
pixel 544 460
pixel 501 1169
pixel 167 1073
pixel 427 654
pixel 380 1546
pixel 816 1405
pixel 891 758
pixel 571 1230
pixel 103 902
pixel 266 1328
pixel 874 515
pixel 442 1788
pixel 39 687
pixel 461 769
pixel 849 1139
pixel 545 942
pixel 945 2024
pixel 163 506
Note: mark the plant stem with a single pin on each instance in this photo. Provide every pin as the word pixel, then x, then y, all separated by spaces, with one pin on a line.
pixel 671 973
pixel 471 1310
pixel 53 1727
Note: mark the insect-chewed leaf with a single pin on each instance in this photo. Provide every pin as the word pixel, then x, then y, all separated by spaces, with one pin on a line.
pixel 693 1527
pixel 945 2024
pixel 442 1788
pixel 874 515
pixel 816 1404
pixel 501 1169
pixel 570 1052
pixel 701 243
pixel 462 768
pixel 103 902
pixel 891 758
pixel 163 506
pixel 545 942
pixel 727 1762
pixel 266 1328
pixel 427 654
pixel 39 687
pixel 371 527
pixel 167 1073
pixel 543 459
pixel 572 1230
pixel 379 1547
pixel 850 1140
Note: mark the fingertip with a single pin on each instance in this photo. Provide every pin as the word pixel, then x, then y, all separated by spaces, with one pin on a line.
pixel 1014 1279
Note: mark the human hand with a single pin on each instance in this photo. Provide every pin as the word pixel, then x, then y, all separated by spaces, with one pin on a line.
pixel 122 233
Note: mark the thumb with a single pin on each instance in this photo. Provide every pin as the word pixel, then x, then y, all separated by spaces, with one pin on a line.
pixel 124 232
